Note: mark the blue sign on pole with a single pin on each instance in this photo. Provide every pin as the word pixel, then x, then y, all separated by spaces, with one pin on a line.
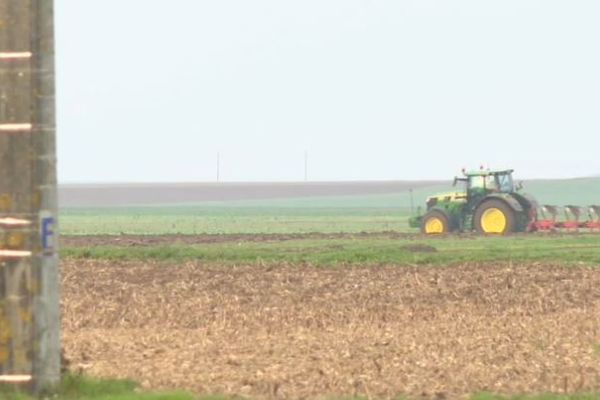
pixel 48 235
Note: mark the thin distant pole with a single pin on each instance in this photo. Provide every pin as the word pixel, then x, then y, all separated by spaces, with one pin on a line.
pixel 218 167
pixel 306 166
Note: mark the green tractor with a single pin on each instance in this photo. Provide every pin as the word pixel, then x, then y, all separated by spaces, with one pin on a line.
pixel 489 203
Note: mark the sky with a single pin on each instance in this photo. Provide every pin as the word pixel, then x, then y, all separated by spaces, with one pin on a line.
pixel 152 91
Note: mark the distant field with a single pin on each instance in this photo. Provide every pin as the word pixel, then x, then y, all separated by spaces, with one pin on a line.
pixel 156 194
pixel 581 191
pixel 242 212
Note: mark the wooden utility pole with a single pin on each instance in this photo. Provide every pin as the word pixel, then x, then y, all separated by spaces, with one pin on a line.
pixel 29 280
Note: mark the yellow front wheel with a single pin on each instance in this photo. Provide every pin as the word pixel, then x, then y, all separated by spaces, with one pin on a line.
pixel 435 223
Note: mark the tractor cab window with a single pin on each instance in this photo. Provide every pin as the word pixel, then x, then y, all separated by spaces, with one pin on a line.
pixel 491 183
pixel 476 182
pixel 505 183
pixel 462 184
pixel 483 182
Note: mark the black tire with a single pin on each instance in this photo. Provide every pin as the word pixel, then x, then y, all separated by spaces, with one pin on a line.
pixel 441 217
pixel 489 206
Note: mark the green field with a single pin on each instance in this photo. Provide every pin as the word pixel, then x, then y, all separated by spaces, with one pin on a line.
pixel 220 220
pixel 568 250
pixel 348 218
pixel 350 214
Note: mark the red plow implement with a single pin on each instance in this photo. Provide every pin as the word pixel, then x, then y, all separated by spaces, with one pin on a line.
pixel 568 219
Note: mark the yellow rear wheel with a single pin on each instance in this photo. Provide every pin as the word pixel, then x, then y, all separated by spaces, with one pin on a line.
pixel 494 217
pixel 493 220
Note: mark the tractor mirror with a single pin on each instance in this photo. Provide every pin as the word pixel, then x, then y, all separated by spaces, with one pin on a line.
pixel 520 185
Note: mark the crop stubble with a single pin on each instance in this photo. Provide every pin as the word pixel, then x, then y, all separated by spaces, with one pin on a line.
pixel 293 331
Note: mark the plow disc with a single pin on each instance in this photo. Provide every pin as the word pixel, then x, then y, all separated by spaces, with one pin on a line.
pixel 567 218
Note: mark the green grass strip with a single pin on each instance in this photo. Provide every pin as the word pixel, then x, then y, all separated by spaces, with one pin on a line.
pixel 568 250
pixel 75 387
pixel 487 396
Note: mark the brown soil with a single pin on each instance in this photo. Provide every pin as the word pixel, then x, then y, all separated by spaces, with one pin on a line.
pixel 126 240
pixel 305 332
pixel 169 240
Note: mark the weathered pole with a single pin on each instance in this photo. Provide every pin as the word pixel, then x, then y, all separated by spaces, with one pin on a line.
pixel 29 284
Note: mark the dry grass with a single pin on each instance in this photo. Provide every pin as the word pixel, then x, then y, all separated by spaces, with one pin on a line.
pixel 305 332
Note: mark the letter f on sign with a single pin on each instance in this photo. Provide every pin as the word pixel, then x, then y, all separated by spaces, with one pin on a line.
pixel 48 235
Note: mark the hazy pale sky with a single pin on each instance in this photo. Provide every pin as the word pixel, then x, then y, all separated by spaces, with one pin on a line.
pixel 152 90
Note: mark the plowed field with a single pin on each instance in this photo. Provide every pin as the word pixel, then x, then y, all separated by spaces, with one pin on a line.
pixel 162 240
pixel 291 331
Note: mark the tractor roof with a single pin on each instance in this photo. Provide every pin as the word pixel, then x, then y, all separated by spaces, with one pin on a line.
pixel 487 172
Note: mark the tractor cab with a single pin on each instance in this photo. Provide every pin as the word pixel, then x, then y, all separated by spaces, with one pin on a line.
pixel 484 182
